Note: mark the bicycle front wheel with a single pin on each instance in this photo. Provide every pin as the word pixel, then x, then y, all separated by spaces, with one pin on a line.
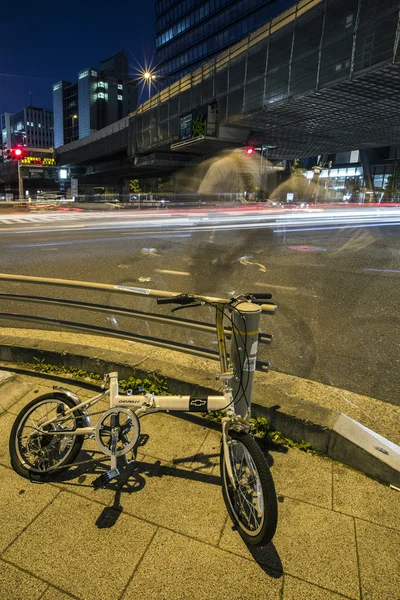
pixel 251 502
pixel 35 454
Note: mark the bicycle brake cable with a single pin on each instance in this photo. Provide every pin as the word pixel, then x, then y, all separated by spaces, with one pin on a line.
pixel 187 306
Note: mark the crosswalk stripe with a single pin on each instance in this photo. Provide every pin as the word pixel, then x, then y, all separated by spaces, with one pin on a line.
pixel 40 218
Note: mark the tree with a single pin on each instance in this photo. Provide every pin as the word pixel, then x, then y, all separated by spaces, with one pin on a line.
pixel 298 183
pixel 199 127
pixel 297 169
pixel 134 186
pixel 392 187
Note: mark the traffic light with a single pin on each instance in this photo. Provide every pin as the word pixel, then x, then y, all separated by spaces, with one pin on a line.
pixel 15 154
pixel 250 151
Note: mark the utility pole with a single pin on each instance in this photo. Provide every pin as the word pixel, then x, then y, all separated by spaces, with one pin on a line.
pixel 20 182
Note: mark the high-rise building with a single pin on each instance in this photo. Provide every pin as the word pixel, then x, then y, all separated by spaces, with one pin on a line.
pixel 30 127
pixel 189 32
pixel 99 97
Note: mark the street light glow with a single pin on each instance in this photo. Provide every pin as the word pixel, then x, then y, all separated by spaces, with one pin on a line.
pixel 146 75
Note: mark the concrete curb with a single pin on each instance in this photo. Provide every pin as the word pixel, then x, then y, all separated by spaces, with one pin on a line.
pixel 329 430
pixel 13 388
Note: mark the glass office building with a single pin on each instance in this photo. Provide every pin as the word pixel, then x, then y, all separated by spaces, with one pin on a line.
pixel 99 98
pixel 30 127
pixel 189 32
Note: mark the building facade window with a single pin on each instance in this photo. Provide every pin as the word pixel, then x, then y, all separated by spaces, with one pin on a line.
pixel 205 30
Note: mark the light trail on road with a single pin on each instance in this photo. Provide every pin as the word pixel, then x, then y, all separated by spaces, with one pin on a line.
pixel 333 272
pixel 225 219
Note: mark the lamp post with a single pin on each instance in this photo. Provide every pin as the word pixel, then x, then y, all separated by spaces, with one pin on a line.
pixel 148 76
pixel 74 118
pixel 20 182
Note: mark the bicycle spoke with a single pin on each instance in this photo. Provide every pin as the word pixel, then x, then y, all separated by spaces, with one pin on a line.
pixel 41 451
pixel 245 491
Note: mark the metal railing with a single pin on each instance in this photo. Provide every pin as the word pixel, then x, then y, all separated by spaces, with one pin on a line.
pixel 199 326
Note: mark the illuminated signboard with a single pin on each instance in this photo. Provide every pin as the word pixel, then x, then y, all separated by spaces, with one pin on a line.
pixel 36 160
pixel 39 173
pixel 185 128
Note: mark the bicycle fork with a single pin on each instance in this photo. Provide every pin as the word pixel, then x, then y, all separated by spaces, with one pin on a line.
pixel 244 345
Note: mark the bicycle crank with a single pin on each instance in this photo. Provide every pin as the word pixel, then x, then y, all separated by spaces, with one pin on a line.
pixel 116 433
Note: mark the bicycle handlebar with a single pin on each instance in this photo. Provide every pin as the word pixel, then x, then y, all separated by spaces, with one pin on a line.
pixel 180 299
pixel 186 299
pixel 261 296
pixel 269 309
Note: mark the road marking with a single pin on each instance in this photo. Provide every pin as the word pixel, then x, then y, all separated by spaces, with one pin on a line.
pixel 169 272
pixel 384 270
pixel 10 219
pixel 279 287
pixel 244 261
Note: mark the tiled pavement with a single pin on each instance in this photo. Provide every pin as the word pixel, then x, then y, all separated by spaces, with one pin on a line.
pixel 163 533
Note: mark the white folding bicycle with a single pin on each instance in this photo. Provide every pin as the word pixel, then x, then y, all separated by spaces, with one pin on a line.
pixel 49 432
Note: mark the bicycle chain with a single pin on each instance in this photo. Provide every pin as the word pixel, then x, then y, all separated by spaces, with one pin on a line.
pixel 82 462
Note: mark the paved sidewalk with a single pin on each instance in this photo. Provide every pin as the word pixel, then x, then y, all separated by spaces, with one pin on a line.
pixel 162 531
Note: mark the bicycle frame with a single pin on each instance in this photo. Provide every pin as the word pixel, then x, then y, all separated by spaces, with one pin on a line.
pixel 149 403
pixel 246 481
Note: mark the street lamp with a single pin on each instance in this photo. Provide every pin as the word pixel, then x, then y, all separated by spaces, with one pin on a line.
pixel 73 118
pixel 147 76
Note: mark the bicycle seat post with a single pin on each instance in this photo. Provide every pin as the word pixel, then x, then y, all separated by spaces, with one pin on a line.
pixel 113 387
pixel 244 345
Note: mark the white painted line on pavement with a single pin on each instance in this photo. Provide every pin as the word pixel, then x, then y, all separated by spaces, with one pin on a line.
pixel 384 270
pixel 279 287
pixel 168 272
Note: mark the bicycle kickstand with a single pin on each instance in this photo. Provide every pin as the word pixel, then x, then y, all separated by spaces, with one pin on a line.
pixel 114 471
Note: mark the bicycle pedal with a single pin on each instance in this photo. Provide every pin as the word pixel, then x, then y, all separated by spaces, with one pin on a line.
pixel 105 478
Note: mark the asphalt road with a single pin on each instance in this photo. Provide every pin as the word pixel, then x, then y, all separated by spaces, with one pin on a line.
pixel 334 275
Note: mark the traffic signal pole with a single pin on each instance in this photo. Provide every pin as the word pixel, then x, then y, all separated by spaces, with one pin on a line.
pixel 20 182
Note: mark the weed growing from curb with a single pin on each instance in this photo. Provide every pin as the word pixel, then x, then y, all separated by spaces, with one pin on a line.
pixel 262 431
pixel 152 385
pixel 259 426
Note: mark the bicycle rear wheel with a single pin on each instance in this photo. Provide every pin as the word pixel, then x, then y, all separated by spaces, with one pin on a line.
pixel 251 503
pixel 35 455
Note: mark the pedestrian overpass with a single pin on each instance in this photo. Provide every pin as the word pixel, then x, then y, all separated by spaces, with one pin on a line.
pixel 322 77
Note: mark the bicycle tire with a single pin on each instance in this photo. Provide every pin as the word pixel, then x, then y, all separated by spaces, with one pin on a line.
pixel 246 447
pixel 17 458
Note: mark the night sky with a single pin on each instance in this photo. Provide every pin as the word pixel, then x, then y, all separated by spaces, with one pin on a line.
pixel 43 42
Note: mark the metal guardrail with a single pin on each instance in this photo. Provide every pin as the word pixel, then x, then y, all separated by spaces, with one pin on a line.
pixel 199 326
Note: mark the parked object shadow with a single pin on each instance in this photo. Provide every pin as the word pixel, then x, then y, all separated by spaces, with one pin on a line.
pixel 268 560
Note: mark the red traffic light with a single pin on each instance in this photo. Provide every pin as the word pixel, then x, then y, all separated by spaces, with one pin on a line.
pixel 15 154
pixel 250 151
